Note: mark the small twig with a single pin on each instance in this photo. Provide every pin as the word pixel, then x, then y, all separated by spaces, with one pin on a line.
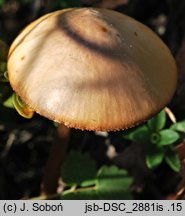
pixel 76 190
pixel 170 114
pixel 181 191
pixel 57 195
pixel 8 145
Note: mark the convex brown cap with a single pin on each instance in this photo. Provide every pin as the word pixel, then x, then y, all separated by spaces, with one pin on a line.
pixel 93 69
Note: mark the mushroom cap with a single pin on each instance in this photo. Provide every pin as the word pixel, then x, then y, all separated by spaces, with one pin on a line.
pixel 93 69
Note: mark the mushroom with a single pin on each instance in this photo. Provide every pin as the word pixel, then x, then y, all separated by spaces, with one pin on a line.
pixel 92 69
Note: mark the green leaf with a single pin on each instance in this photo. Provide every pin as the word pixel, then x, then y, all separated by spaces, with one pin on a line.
pixel 140 134
pixel 154 138
pixel 168 137
pixel 6 76
pixel 154 156
pixel 88 183
pixel 179 126
pixel 8 103
pixel 113 183
pixel 2 2
pixel 173 161
pixel 21 107
pixel 158 122
pixel 78 168
pixel 3 72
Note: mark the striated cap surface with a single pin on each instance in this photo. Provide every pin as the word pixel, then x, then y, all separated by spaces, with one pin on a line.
pixel 93 69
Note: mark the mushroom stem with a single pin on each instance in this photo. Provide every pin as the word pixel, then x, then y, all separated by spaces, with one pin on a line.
pixel 56 158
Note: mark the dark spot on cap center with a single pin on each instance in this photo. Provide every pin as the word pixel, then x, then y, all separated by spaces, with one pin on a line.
pixel 104 29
